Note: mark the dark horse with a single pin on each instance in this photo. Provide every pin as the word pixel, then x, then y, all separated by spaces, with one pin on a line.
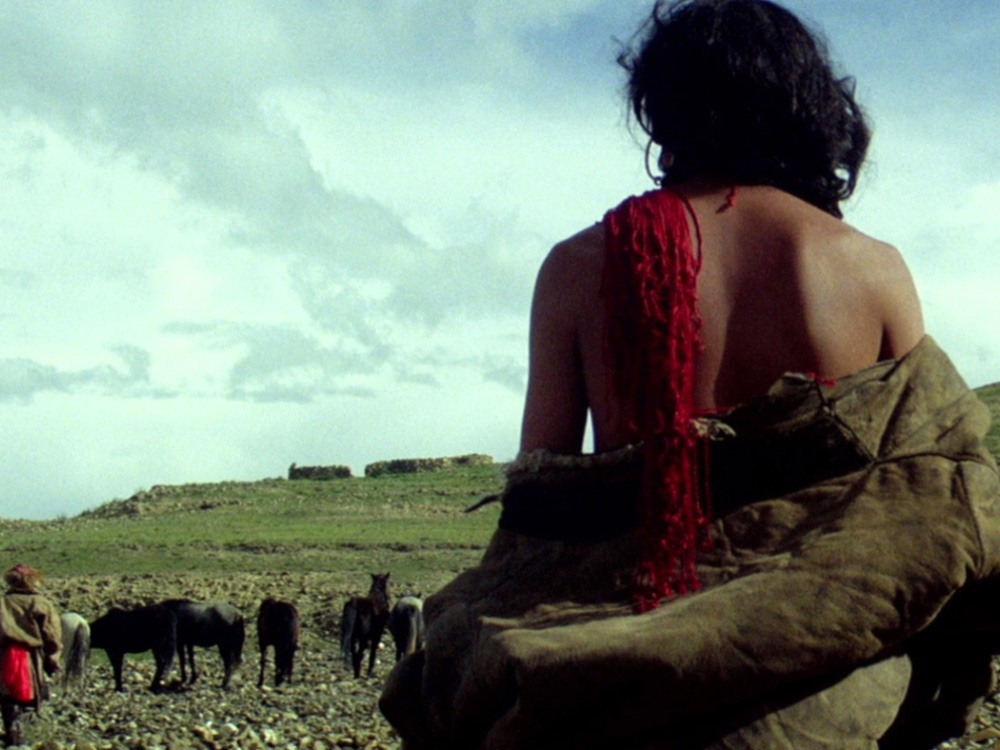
pixel 406 623
pixel 121 632
pixel 208 624
pixel 363 623
pixel 278 626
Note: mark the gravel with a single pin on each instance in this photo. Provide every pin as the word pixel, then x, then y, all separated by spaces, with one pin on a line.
pixel 324 707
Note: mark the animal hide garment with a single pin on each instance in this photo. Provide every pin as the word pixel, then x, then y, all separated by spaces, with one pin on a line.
pixel 849 586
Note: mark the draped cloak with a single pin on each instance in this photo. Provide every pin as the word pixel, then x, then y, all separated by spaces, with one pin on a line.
pixel 850 590
pixel 31 621
pixel 846 583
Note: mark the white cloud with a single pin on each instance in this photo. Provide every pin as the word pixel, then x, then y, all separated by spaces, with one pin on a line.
pixel 236 237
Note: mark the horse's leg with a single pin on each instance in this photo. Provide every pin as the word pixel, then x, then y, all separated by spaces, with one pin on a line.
pixel 227 664
pixel 378 627
pixel 162 660
pixel 263 662
pixel 400 639
pixel 288 662
pixel 85 664
pixel 347 625
pixel 117 659
pixel 285 662
pixel 372 651
pixel 375 637
pixel 279 672
pixel 182 660
pixel 357 653
pixel 194 669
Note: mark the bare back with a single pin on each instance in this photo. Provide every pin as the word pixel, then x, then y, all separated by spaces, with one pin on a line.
pixel 783 287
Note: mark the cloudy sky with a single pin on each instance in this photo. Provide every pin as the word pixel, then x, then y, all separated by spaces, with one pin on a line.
pixel 234 235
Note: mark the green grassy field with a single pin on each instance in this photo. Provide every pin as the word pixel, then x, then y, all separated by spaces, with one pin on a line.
pixel 409 523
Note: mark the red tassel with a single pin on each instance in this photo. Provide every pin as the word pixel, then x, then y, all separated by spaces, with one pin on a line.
pixel 651 347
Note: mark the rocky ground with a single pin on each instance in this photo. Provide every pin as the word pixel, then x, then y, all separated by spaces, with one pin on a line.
pixel 985 733
pixel 324 708
pixel 318 711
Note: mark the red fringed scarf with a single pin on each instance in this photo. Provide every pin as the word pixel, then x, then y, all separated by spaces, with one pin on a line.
pixel 652 341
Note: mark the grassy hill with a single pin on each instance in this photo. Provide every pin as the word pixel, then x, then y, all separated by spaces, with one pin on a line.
pixel 412 524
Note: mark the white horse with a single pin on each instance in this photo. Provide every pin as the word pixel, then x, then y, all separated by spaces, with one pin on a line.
pixel 76 648
pixel 406 623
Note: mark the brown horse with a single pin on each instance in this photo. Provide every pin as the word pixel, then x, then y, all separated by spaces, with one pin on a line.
pixel 363 622
pixel 278 625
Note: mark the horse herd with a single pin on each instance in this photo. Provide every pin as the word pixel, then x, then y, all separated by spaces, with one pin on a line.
pixel 177 626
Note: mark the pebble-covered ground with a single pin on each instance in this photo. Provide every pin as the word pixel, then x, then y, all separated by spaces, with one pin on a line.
pixel 985 733
pixel 318 711
pixel 324 707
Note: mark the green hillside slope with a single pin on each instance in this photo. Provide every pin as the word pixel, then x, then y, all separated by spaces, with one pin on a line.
pixel 409 523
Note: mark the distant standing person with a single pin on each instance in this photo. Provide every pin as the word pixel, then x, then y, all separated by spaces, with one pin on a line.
pixel 30 642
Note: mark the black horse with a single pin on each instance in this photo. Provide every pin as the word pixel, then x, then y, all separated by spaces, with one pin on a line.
pixel 152 628
pixel 208 624
pixel 363 622
pixel 406 623
pixel 278 626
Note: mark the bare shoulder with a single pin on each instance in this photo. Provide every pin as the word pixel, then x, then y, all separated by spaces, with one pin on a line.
pixel 555 408
pixel 878 264
pixel 846 275
pixel 867 251
pixel 573 266
pixel 888 285
pixel 585 248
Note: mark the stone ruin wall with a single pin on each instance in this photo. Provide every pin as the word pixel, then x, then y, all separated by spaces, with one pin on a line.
pixel 394 466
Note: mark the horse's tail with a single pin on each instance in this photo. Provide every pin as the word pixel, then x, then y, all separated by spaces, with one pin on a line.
pixel 416 639
pixel 77 653
pixel 348 622
pixel 412 635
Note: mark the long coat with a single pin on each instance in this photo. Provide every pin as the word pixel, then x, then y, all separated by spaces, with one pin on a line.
pixel 31 620
pixel 855 561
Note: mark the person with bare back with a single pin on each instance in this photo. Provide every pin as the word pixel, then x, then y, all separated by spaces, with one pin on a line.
pixel 788 481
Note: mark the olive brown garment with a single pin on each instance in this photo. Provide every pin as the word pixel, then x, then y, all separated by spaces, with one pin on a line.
pixel 865 546
pixel 29 619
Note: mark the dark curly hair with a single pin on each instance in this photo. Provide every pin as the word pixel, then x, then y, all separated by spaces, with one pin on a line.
pixel 742 91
